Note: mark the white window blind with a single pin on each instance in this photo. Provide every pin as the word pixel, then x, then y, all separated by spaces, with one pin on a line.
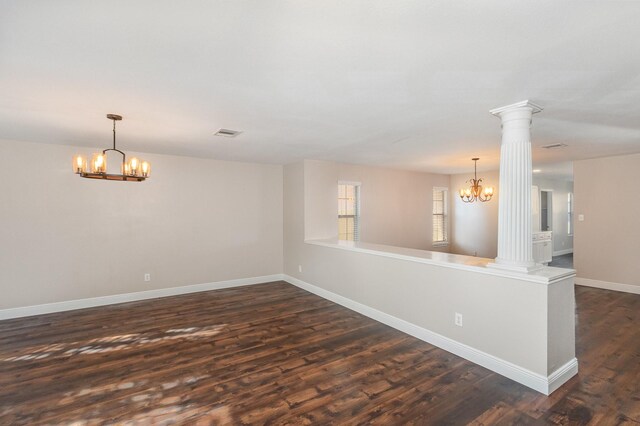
pixel 570 213
pixel 440 216
pixel 349 212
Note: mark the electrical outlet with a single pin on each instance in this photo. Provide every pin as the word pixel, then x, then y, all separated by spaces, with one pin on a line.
pixel 580 218
pixel 299 268
pixel 147 277
pixel 458 319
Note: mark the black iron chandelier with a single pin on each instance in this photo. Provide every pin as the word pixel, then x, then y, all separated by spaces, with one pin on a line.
pixel 134 170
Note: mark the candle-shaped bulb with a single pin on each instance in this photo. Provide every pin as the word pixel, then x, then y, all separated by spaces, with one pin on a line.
pixel 146 168
pixel 79 164
pixel 99 163
pixel 134 166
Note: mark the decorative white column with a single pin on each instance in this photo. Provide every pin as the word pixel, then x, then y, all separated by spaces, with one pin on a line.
pixel 515 245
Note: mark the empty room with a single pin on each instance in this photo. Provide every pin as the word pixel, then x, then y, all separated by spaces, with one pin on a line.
pixel 319 212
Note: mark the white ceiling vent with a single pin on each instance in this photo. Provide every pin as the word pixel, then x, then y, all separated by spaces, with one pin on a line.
pixel 555 145
pixel 228 133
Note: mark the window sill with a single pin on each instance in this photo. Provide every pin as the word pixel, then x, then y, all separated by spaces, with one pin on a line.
pixel 441 244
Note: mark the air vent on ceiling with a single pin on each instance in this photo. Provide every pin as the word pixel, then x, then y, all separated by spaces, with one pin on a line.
pixel 228 133
pixel 555 145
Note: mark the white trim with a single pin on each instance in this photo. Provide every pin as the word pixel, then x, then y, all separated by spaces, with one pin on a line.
pixel 562 375
pixel 70 305
pixel 526 103
pixel 535 381
pixel 440 244
pixel 627 288
pixel 561 252
pixel 349 182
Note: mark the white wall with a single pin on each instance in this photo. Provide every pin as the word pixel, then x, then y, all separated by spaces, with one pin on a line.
pixel 562 241
pixel 295 214
pixel 474 226
pixel 396 205
pixel 607 242
pixel 507 318
pixel 321 212
pixel 194 221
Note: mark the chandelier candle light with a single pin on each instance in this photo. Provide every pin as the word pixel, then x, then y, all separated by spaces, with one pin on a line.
pixel 134 170
pixel 476 191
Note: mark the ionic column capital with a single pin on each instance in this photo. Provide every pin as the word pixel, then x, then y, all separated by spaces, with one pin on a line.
pixel 521 106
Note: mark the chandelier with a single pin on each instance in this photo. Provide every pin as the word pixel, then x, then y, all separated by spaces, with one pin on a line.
pixel 134 170
pixel 476 191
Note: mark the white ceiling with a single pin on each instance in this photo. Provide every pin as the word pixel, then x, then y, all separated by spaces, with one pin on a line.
pixel 404 84
pixel 560 171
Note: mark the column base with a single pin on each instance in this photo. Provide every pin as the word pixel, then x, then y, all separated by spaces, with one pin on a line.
pixel 525 268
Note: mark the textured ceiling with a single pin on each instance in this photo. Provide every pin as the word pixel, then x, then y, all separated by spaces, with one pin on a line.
pixel 392 83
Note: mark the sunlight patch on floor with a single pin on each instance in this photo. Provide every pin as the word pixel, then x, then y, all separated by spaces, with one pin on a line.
pixel 114 343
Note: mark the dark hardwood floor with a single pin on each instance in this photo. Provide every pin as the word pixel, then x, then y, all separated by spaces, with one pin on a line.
pixel 276 354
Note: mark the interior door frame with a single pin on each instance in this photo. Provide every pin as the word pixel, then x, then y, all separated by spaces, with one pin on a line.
pixel 549 209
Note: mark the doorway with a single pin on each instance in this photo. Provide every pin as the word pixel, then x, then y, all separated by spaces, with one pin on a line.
pixel 546 210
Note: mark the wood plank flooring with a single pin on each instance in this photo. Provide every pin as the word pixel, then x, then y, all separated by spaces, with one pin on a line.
pixel 275 354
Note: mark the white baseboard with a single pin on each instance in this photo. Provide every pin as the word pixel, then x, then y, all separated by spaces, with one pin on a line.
pixel 540 383
pixel 627 288
pixel 561 252
pixel 535 381
pixel 562 375
pixel 131 297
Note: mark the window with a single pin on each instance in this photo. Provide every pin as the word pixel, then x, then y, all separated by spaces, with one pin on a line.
pixel 348 211
pixel 440 216
pixel 570 213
